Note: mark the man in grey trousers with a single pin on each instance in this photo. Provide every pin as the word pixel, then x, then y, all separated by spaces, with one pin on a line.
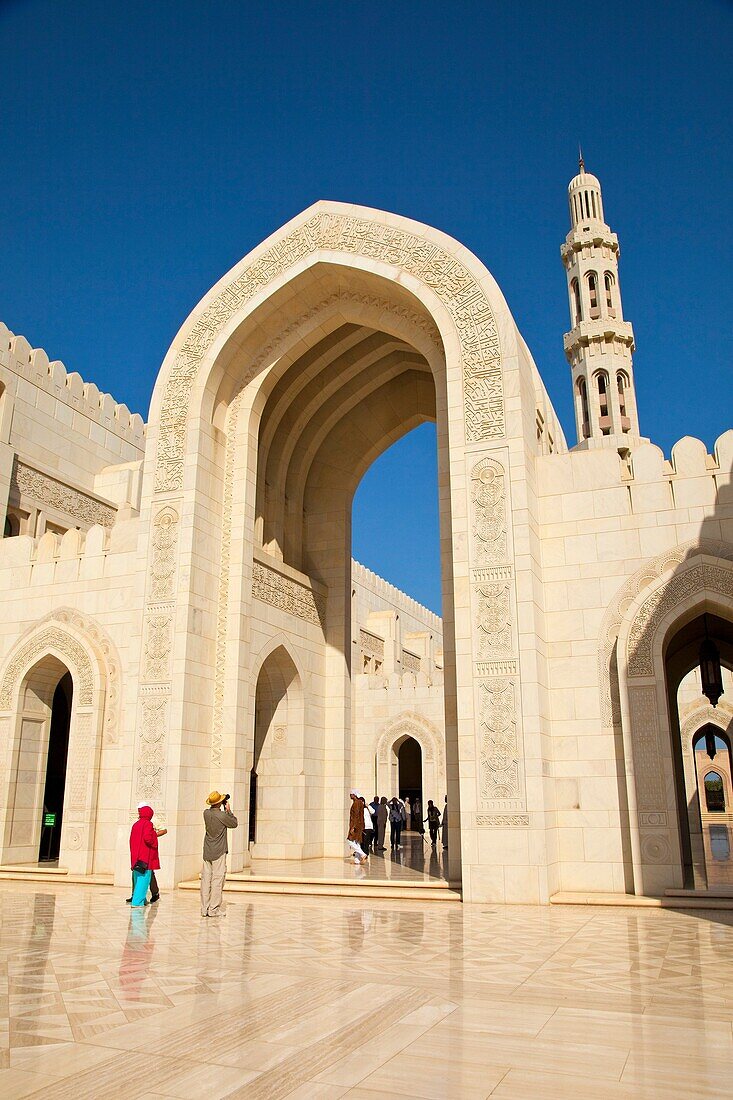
pixel 217 819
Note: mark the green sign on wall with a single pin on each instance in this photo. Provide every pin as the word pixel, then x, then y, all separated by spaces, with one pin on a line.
pixel 49 819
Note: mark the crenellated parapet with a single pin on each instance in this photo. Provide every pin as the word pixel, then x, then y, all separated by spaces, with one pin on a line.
pixel 82 399
pixel 691 477
pixel 75 555
pixel 388 594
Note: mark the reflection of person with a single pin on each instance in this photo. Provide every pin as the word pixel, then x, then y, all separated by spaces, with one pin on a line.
pixel 382 816
pixel 356 826
pixel 217 819
pixel 143 855
pixel 433 820
pixel 154 889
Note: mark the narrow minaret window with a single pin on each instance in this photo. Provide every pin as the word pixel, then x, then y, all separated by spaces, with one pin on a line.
pixel 584 414
pixel 593 295
pixel 600 345
pixel 577 309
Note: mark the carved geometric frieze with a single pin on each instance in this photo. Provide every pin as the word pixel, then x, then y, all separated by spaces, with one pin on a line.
pixel 487 669
pixel 655 848
pixel 648 767
pixel 81 763
pixel 151 747
pixel 489 512
pixel 493 619
pixel 158 642
pixel 371 645
pixel 502 821
pixel 451 281
pixel 499 754
pixel 31 485
pixel 410 661
pixel 287 595
pixel 652 819
pixel 163 560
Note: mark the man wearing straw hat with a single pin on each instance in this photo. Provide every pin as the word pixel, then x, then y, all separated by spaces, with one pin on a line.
pixel 217 819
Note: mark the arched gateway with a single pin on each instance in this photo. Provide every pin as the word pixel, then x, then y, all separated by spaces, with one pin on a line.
pixel 335 337
pixel 182 603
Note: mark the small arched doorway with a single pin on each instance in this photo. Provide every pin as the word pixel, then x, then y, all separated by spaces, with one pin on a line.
pixel 409 767
pixel 40 776
pixel 56 759
pixel 277 774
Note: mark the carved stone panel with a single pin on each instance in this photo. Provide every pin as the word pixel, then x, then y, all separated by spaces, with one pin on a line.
pixel 31 485
pixel 287 595
pixel 500 766
pixel 488 503
pixel 163 563
pixel 151 749
pixel 648 767
pixel 81 762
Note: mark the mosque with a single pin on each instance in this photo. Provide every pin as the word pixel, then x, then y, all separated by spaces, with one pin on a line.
pixel 181 611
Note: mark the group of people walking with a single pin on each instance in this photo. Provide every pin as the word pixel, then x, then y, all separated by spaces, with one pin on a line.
pixel 368 823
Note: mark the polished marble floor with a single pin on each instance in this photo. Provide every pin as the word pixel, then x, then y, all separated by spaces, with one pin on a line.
pixel 314 999
pixel 416 861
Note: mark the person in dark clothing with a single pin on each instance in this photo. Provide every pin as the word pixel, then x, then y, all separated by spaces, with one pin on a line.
pixel 396 821
pixel 433 820
pixel 382 818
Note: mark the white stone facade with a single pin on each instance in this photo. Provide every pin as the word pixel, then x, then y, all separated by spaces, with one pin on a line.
pixel 204 602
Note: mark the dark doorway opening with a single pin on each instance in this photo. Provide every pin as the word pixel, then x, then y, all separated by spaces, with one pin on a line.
pixel 409 756
pixel 58 751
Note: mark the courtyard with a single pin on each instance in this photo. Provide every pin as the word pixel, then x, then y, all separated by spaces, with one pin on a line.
pixel 327 998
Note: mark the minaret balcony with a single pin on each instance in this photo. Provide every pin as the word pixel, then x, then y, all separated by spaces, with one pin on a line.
pixel 594 234
pixel 605 330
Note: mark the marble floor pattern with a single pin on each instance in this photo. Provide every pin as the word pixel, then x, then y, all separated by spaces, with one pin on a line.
pixel 416 861
pixel 315 999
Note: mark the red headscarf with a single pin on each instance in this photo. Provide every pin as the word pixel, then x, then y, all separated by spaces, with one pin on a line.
pixel 144 840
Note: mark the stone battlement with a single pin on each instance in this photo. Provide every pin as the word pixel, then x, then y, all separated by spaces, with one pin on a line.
pixel 42 555
pixel 33 365
pixel 391 595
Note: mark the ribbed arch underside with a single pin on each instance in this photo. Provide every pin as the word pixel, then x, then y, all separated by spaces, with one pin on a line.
pixel 331 413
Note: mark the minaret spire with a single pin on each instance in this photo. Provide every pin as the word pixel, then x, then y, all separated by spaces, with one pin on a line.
pixel 600 344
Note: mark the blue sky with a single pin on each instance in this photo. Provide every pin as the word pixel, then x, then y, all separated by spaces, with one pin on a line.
pixel 149 146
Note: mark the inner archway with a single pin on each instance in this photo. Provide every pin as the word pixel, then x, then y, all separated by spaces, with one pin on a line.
pixel 409 762
pixel 57 756
pixel 277 781
pixel 700 751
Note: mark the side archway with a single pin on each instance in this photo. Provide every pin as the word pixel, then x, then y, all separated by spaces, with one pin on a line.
pixel 428 738
pixel 64 642
pixel 659 615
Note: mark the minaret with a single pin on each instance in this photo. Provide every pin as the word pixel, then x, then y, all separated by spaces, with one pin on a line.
pixel 600 344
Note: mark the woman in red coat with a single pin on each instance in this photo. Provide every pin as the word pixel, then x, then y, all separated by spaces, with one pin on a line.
pixel 143 855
